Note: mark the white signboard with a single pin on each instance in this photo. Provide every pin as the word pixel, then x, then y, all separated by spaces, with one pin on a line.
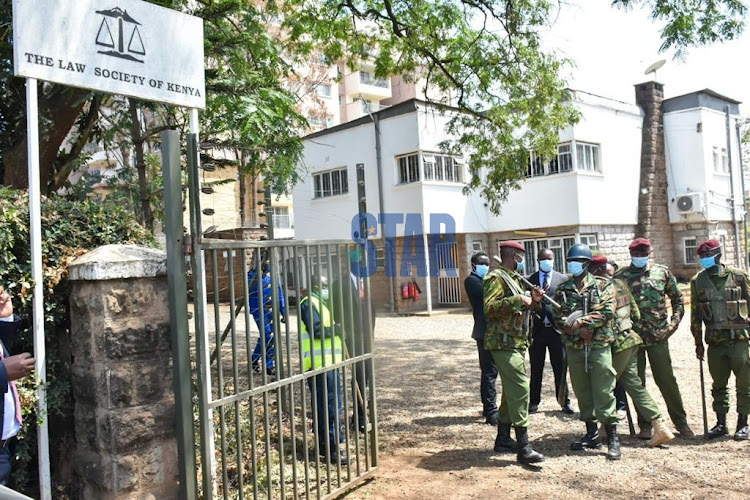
pixel 125 47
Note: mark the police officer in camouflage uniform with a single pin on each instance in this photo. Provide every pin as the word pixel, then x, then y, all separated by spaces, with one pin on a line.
pixel 624 349
pixel 588 308
pixel 719 295
pixel 508 308
pixel 650 284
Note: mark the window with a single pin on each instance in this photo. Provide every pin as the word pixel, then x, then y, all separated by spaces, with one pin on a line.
pixel 439 167
pixel 476 246
pixel 689 248
pixel 588 157
pixel 323 90
pixel 331 183
pixel 590 240
pixel 721 160
pixel 563 162
pixel 281 218
pixel 370 79
pixel 408 168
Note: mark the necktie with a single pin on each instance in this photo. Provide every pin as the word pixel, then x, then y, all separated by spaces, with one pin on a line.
pixel 14 390
pixel 361 289
pixel 545 281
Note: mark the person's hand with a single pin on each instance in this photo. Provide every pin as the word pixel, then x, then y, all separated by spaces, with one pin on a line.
pixel 526 300
pixel 699 351
pixel 586 335
pixel 6 304
pixel 537 294
pixel 18 366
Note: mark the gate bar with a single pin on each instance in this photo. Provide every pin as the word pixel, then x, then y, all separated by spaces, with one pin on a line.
pixel 177 279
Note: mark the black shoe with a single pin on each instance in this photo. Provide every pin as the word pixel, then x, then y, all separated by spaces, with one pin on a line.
pixel 590 440
pixel 503 442
pixel 613 443
pixel 492 419
pixel 526 454
pixel 720 429
pixel 533 408
pixel 742 429
pixel 336 457
pixel 567 409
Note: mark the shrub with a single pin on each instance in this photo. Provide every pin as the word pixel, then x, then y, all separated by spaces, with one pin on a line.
pixel 69 229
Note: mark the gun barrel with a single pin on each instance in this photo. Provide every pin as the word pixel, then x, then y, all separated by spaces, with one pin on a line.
pixel 526 282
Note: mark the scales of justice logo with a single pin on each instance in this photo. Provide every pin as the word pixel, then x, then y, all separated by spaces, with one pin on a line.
pixel 119 33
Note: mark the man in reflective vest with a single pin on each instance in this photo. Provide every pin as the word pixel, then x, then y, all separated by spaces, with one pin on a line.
pixel 719 296
pixel 321 347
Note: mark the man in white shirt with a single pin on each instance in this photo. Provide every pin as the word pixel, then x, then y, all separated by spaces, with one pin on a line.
pixel 12 368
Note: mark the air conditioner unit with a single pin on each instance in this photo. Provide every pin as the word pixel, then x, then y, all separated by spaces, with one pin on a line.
pixel 689 203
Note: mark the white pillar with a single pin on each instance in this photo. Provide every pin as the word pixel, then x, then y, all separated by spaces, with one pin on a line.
pixel 427 285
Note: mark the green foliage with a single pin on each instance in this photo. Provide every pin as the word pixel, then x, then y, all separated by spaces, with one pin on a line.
pixel 695 22
pixel 69 229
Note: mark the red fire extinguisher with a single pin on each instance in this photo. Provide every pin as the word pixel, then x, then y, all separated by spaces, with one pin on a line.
pixel 414 290
pixel 405 291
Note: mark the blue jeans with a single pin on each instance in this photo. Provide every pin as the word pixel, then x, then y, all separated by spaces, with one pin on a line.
pixel 6 463
pixel 270 346
pixel 329 406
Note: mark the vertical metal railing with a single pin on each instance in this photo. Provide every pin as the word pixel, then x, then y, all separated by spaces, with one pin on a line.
pixel 276 434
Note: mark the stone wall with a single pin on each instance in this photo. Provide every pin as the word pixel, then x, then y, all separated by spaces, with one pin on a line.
pixel 613 241
pixel 122 375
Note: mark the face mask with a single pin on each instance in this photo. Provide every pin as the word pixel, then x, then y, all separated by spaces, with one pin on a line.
pixel 639 262
pixel 482 270
pixel 575 268
pixel 324 294
pixel 708 262
pixel 546 265
pixel 519 267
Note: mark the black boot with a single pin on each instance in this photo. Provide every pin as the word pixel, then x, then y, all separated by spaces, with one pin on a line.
pixel 590 440
pixel 503 442
pixel 526 454
pixel 741 433
pixel 613 442
pixel 720 429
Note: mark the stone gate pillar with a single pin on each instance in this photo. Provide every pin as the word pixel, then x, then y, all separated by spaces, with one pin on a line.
pixel 122 374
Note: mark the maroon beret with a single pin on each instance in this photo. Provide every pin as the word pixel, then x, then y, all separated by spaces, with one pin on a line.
pixel 639 242
pixel 512 244
pixel 708 245
pixel 599 260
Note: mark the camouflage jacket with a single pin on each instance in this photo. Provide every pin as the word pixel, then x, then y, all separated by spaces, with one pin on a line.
pixel 650 287
pixel 508 318
pixel 627 315
pixel 719 280
pixel 601 313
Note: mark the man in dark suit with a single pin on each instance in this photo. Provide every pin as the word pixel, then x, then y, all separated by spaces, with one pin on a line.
pixel 11 368
pixel 480 266
pixel 546 335
pixel 351 309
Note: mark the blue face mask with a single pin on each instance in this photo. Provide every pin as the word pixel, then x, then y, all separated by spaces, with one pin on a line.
pixel 546 265
pixel 324 294
pixel 708 262
pixel 639 262
pixel 575 268
pixel 482 270
pixel 519 267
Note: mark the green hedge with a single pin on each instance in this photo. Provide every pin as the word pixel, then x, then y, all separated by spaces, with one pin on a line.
pixel 69 229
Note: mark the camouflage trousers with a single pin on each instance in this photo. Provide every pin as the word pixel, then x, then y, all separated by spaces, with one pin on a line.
pixel 626 369
pixel 594 388
pixel 723 360
pixel 661 368
pixel 514 400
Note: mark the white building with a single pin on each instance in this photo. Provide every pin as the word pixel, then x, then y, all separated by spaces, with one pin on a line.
pixel 593 191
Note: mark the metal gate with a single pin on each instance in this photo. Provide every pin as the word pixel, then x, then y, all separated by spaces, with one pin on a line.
pixel 449 283
pixel 298 419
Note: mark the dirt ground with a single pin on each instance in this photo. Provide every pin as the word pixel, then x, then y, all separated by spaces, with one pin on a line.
pixel 435 444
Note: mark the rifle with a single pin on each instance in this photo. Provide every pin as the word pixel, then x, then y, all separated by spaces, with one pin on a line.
pixel 587 346
pixel 529 284
pixel 631 427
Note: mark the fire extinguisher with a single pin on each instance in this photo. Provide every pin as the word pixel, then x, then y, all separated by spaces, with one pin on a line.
pixel 405 291
pixel 414 290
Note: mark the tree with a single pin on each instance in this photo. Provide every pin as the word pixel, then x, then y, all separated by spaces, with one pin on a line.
pixel 487 53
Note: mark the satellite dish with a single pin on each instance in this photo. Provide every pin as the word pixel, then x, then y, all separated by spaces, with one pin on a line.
pixel 657 65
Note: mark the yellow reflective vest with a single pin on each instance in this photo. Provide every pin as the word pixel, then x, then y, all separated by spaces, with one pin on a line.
pixel 314 348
